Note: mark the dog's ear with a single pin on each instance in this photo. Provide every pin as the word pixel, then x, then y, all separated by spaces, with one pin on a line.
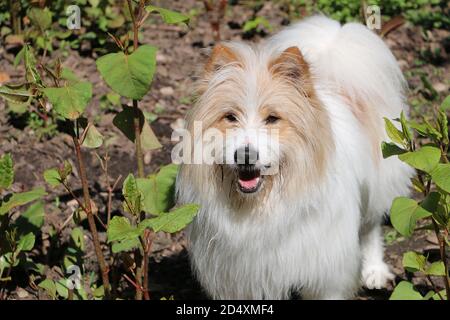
pixel 291 65
pixel 221 55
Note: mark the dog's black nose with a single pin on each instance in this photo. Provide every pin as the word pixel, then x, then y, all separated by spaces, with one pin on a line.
pixel 246 155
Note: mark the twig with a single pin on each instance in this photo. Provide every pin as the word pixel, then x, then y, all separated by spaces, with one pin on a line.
pixel 391 25
pixel 443 255
pixel 134 284
pixel 215 15
pixel 147 245
pixel 110 192
pixel 136 120
pixel 434 287
pixel 90 216
pixel 137 138
pixel 74 196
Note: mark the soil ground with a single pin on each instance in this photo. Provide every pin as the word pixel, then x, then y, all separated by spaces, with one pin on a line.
pixel 181 53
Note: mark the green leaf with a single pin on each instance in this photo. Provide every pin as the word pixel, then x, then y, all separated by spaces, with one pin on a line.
pixel 77 238
pixel 390 149
pixel 65 171
pixel 19 56
pixel 255 23
pixel 20 199
pixel 52 177
pixel 443 294
pixel 443 126
pixel 441 176
pixel 405 291
pixel 422 128
pixel 441 215
pixel 93 138
pixel 429 295
pixel 393 133
pixel 41 18
pixel 69 75
pixel 6 171
pixel 49 287
pixel 404 215
pixel 173 221
pixel 113 98
pixel 427 84
pixel 159 190
pixel 169 16
pixel 124 122
pixel 430 203
pixel 405 128
pixel 129 75
pixel 71 100
pixel 445 105
pixel 132 194
pixel 425 159
pixel 99 292
pixel 7 261
pixel 18 94
pixel 18 107
pixel 26 242
pixel 33 216
pixel 32 75
pixel 418 185
pixel 436 269
pixel 149 141
pixel 413 261
pixel 120 229
pixel 125 245
pixel 432 132
pixel 61 288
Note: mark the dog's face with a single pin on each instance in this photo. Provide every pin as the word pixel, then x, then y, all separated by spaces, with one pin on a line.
pixel 268 125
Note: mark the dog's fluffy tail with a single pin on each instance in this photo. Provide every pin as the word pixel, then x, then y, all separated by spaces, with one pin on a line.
pixel 350 58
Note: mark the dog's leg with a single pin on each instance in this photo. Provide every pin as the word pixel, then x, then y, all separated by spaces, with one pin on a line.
pixel 375 272
pixel 338 280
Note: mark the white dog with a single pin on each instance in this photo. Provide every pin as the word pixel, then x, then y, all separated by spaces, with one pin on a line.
pixel 313 224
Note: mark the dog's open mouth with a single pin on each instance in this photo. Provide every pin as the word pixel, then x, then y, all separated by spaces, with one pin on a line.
pixel 249 178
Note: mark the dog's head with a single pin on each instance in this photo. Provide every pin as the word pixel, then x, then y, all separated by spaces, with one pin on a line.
pixel 261 122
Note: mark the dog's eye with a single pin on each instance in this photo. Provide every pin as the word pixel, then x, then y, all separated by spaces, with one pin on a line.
pixel 231 117
pixel 272 119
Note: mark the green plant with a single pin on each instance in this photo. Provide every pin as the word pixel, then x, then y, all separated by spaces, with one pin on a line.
pixel 137 68
pixel 17 237
pixel 45 23
pixel 53 90
pixel 433 182
pixel 257 23
pixel 27 99
pixel 427 13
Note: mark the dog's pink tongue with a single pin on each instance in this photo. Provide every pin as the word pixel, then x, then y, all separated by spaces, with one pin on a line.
pixel 249 184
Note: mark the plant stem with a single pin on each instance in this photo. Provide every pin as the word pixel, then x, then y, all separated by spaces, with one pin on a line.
pixel 90 216
pixel 435 289
pixel 147 245
pixel 15 18
pixel 215 15
pixel 140 262
pixel 136 120
pixel 137 142
pixel 443 255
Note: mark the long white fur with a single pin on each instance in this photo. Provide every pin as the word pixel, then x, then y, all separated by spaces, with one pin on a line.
pixel 325 242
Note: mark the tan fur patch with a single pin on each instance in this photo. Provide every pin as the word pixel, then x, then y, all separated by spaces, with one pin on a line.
pixel 291 65
pixel 221 55
pixel 284 87
pixel 370 123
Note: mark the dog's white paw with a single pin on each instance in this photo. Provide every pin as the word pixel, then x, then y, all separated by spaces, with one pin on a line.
pixel 376 276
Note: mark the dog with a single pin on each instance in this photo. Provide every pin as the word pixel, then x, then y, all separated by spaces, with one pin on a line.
pixel 313 225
